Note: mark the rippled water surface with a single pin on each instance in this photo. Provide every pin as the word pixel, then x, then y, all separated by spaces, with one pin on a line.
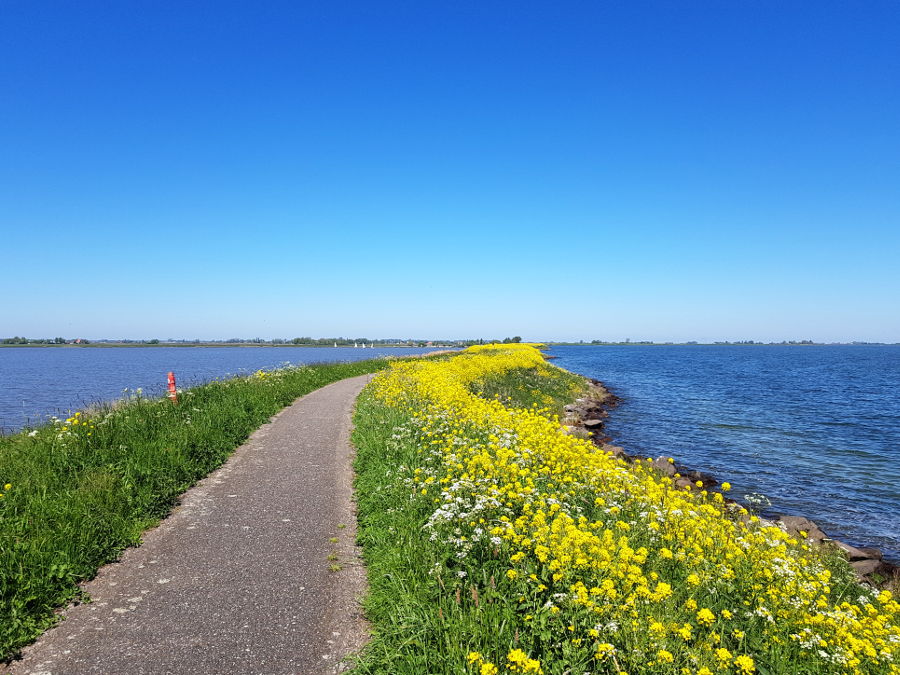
pixel 40 381
pixel 815 429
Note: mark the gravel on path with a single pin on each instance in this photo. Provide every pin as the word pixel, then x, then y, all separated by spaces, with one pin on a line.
pixel 243 576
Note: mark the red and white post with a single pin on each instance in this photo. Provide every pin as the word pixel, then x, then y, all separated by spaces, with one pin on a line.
pixel 172 393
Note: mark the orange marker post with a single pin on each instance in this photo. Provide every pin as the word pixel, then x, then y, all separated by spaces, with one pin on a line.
pixel 173 393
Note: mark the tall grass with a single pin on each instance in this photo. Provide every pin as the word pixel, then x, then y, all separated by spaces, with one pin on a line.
pixel 76 492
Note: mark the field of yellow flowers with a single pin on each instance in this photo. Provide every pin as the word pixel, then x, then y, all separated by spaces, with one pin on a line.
pixel 498 544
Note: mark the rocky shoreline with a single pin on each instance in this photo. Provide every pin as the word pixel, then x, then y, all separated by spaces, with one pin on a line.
pixel 586 417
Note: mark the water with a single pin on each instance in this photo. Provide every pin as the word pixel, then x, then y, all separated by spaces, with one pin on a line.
pixel 815 429
pixel 36 382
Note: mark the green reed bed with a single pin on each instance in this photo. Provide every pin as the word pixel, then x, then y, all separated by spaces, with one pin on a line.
pixel 76 492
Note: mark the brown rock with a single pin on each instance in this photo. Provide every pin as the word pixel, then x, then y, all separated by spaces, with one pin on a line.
pixel 592 424
pixel 614 450
pixel 704 478
pixel 684 483
pixel 854 554
pixel 796 524
pixel 864 568
pixel 664 465
pixel 872 553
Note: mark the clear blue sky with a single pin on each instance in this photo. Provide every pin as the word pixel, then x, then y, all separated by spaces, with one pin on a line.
pixel 643 170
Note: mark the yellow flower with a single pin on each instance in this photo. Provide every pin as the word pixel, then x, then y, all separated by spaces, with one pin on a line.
pixel 706 617
pixel 552 504
pixel 520 663
pixel 487 668
pixel 744 664
pixel 726 486
pixel 604 650
pixel 664 656
pixel 7 487
pixel 473 657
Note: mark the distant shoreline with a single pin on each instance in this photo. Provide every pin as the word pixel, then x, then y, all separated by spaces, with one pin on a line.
pixel 116 345
pixel 722 344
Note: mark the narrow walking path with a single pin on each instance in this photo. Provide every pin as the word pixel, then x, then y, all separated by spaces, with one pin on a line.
pixel 238 579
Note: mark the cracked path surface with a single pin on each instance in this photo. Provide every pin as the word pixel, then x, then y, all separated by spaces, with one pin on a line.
pixel 238 578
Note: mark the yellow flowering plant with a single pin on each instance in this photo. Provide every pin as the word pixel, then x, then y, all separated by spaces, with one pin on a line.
pixel 544 553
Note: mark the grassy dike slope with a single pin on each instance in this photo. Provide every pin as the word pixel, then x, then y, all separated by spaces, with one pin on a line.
pixel 496 543
pixel 77 492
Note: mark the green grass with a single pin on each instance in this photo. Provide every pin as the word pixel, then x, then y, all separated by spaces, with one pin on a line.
pixel 425 616
pixel 545 387
pixel 80 493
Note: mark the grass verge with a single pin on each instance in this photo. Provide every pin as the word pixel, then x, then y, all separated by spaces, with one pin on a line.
pixel 75 493
pixel 496 543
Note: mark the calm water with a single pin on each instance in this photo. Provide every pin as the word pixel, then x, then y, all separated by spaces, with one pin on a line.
pixel 36 382
pixel 815 429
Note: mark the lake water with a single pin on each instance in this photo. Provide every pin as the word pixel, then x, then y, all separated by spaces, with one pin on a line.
pixel 39 381
pixel 814 429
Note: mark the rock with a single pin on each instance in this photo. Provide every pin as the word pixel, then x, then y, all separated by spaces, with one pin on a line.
pixel 570 408
pixel 614 450
pixel 664 465
pixel 684 483
pixel 854 554
pixel 592 424
pixel 796 524
pixel 872 553
pixel 593 411
pixel 864 568
pixel 704 478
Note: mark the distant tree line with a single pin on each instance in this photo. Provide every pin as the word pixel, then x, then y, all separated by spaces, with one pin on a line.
pixel 301 341
pixel 31 341
pixel 483 341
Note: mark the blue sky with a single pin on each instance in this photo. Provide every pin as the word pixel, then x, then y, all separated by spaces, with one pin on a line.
pixel 643 170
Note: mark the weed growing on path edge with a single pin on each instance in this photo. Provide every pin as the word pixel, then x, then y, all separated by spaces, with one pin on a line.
pixel 496 543
pixel 83 489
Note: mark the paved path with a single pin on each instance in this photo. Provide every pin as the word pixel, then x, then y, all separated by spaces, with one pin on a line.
pixel 237 579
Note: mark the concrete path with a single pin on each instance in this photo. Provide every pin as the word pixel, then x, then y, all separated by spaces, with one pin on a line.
pixel 238 579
